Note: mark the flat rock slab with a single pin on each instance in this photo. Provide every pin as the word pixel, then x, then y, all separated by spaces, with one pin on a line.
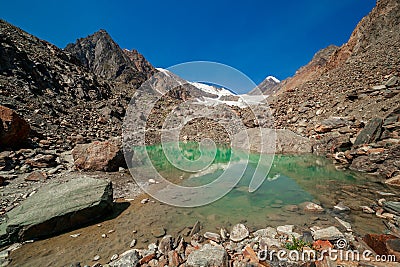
pixel 56 208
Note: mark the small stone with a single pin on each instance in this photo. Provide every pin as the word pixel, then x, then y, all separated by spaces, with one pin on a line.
pixel 35 176
pixel 133 243
pixel 96 258
pixel 158 232
pixel 165 244
pixel 379 87
pixel 103 235
pixel 285 229
pixel 329 233
pixel 367 209
pixel 344 224
pixel 152 247
pixel 239 232
pixel 267 243
pixel 267 232
pixel 195 228
pixel 114 257
pixel 224 234
pixel 75 235
pixel 212 236
pixel 144 201
pixel 312 207
pixel 291 208
pixel 340 207
pixel 152 181
pixel 111 231
pixel 174 260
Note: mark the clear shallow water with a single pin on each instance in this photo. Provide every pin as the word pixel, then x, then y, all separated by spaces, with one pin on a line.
pixel 291 180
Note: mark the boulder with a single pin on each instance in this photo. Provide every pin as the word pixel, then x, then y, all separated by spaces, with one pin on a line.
pixel 14 130
pixel 99 156
pixel 56 208
pixel 208 256
pixel 370 133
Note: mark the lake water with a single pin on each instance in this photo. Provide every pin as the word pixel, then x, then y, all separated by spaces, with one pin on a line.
pixel 292 180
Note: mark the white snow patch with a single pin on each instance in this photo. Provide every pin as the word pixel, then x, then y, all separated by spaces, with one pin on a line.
pixel 211 89
pixel 166 72
pixel 273 78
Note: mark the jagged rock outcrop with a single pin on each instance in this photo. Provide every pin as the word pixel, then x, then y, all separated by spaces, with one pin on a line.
pixel 103 56
pixel 64 97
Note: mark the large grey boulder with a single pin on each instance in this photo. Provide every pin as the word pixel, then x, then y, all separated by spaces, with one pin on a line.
pixel 56 208
pixel 208 256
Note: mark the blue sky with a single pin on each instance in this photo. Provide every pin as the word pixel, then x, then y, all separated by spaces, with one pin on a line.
pixel 259 38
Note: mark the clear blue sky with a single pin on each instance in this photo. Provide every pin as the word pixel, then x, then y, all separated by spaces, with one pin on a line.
pixel 259 38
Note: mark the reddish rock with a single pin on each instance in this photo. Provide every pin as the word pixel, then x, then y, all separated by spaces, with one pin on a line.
pixel 378 242
pixel 13 129
pixel 99 156
pixel 147 258
pixel 35 177
pixel 174 260
pixel 249 253
pixel 322 245
pixel 42 161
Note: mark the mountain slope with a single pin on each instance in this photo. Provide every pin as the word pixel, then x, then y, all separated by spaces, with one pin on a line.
pixel 267 87
pixel 62 99
pixel 102 56
pixel 341 86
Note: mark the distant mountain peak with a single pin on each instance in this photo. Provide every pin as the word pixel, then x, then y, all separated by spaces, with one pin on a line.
pixel 103 56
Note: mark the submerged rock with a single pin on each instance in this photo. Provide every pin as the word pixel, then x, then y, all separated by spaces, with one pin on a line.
pixel 56 208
